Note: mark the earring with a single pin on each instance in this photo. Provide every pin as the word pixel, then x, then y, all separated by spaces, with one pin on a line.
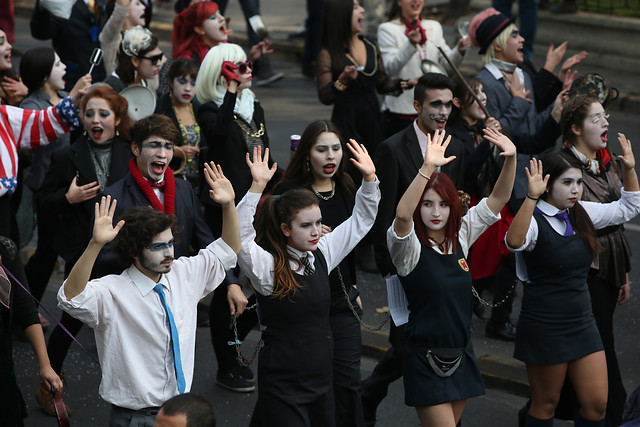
pixel 117 132
pixel 85 132
pixel 308 166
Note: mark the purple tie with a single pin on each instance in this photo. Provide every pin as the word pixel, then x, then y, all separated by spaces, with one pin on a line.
pixel 562 216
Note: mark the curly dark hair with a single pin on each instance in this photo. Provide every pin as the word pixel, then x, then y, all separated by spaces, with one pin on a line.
pixel 141 225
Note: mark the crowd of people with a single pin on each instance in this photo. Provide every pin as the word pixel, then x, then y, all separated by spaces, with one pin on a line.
pixel 456 184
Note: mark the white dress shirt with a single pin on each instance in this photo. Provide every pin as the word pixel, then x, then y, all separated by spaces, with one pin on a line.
pixel 131 327
pixel 602 215
pixel 403 60
pixel 257 263
pixel 405 251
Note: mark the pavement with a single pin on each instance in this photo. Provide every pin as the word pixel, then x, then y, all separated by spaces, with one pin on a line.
pixel 292 103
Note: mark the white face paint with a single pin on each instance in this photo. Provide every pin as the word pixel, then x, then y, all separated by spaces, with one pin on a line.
pixel 566 190
pixel 325 155
pixel 512 52
pixel 154 157
pixel 5 52
pixel 99 120
pixel 435 109
pixel 305 229
pixel 158 257
pixel 434 211
pixel 593 131
pixel 58 70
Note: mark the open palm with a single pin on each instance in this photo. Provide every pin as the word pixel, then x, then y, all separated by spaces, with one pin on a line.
pixel 103 229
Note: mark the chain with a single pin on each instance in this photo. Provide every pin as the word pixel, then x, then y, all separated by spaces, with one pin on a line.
pixel 237 342
pixel 499 303
pixel 353 309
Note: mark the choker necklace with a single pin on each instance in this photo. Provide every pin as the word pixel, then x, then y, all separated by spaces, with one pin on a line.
pixel 317 193
pixel 439 244
pixel 507 67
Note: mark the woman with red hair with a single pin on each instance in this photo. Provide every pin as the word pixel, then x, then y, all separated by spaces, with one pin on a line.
pixel 197 29
pixel 428 242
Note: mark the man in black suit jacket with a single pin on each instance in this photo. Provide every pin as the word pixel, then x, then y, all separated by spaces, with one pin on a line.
pixel 397 160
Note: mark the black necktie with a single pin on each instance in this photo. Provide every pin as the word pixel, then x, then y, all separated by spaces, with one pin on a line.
pixel 308 270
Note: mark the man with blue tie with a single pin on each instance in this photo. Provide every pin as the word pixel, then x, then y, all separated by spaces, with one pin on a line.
pixel 145 318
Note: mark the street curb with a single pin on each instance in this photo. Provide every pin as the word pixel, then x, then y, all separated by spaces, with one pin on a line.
pixel 508 375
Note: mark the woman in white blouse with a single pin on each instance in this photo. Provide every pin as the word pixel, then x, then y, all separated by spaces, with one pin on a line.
pixel 555 236
pixel 288 263
pixel 405 41
pixel 428 242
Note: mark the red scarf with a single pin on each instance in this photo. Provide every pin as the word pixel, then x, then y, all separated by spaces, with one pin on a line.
pixel 169 189
pixel 410 27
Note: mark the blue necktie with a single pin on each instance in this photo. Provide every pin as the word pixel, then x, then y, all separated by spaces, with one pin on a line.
pixel 562 216
pixel 175 340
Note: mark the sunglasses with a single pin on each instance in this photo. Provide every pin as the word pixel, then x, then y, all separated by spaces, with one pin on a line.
pixel 244 67
pixel 154 59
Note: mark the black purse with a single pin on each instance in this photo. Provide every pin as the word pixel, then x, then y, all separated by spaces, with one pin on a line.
pixel 443 361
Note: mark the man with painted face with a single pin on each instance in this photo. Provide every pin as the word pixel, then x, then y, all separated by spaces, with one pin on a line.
pixel 150 181
pixel 397 160
pixel 145 318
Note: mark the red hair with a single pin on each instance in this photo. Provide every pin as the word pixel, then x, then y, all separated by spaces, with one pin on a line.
pixel 186 42
pixel 117 103
pixel 442 185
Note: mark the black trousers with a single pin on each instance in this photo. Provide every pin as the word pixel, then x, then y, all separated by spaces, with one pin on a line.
pixel 221 328
pixel 347 345
pixel 604 298
pixel 388 369
pixel 43 260
pixel 275 409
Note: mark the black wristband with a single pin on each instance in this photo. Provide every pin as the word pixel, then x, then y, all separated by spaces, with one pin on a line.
pixel 532 198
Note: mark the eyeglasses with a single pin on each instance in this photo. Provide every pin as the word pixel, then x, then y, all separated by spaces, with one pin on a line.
pixel 160 246
pixel 156 145
pixel 154 59
pixel 244 67
pixel 184 81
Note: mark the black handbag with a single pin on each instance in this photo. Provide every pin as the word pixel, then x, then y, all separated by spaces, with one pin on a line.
pixel 443 361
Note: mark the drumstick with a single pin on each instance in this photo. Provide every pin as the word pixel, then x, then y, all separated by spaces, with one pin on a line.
pixel 471 91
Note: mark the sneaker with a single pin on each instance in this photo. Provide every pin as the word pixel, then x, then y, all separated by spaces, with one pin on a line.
pixel 233 381
pixel 45 399
pixel 246 373
pixel 266 78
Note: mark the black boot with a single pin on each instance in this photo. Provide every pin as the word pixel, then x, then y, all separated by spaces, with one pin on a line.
pixel 581 422
pixel 537 422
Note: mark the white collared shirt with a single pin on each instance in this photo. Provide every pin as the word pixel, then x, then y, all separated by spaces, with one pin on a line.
pixel 131 327
pixel 257 263
pixel 602 215
pixel 405 251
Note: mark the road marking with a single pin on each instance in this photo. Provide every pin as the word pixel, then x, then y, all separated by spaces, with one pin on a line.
pixel 632 227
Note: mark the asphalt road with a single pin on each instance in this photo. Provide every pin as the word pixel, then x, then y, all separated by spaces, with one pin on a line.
pixel 290 105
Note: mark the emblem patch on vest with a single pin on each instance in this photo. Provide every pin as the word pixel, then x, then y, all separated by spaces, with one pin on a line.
pixel 463 264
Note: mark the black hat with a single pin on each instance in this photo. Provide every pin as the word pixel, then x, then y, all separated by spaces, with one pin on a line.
pixel 486 26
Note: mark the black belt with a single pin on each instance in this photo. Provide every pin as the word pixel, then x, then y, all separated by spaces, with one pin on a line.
pixel 153 410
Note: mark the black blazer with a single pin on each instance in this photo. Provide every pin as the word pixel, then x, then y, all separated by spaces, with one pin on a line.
pixel 72 39
pixel 193 231
pixel 226 143
pixel 397 162
pixel 75 221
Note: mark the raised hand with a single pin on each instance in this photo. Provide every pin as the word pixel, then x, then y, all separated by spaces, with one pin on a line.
pixel 221 189
pixel 554 56
pixel 571 62
pixel 103 229
pixel 436 147
pixel 362 160
pixel 229 71
pixel 80 89
pixel 506 146
pixel 259 49
pixel 537 184
pixel 627 158
pixel 260 170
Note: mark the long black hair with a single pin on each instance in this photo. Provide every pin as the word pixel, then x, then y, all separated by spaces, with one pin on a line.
pixel 299 173
pixel 554 165
pixel 336 31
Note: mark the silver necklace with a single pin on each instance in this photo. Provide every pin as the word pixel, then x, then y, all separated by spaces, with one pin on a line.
pixel 317 193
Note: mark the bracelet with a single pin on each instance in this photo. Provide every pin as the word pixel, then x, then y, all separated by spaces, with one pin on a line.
pixel 532 198
pixel 339 85
pixel 423 175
